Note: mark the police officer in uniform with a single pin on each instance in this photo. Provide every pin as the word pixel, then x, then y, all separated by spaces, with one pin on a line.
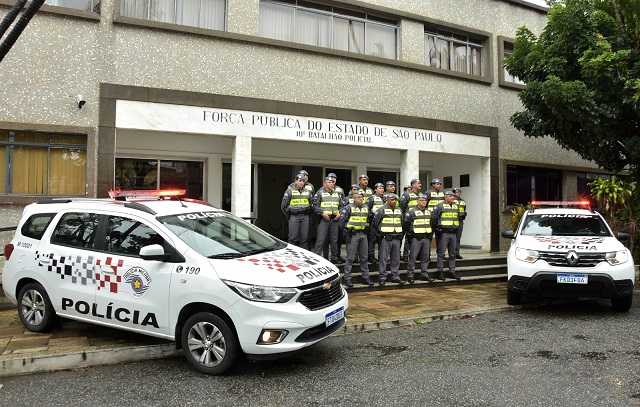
pixel 364 187
pixel 354 222
pixel 326 204
pixel 417 223
pixel 388 224
pixel 375 202
pixel 445 219
pixel 340 191
pixel 462 204
pixel 409 200
pixel 435 197
pixel 296 205
pixel 390 188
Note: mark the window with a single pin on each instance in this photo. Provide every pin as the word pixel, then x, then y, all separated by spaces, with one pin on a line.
pixel 127 236
pixel 84 5
pixel 454 51
pixel 194 13
pixel 133 173
pixel 77 230
pixel 508 51
pixel 33 163
pixel 526 184
pixel 36 225
pixel 329 27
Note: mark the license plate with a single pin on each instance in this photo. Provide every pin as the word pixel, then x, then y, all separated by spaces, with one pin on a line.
pixel 334 316
pixel 573 279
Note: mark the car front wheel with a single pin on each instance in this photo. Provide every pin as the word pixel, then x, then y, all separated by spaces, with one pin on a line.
pixel 513 297
pixel 209 344
pixel 35 309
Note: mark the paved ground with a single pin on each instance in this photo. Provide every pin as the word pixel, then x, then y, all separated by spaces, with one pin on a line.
pixel 76 344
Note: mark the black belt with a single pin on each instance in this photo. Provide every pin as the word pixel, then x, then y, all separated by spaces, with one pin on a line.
pixel 360 232
pixel 305 212
pixel 392 237
pixel 449 230
pixel 421 236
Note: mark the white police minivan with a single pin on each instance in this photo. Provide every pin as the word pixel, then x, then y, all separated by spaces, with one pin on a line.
pixel 564 249
pixel 172 268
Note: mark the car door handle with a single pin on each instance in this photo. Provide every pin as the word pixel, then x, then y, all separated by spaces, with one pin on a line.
pixel 44 260
pixel 107 269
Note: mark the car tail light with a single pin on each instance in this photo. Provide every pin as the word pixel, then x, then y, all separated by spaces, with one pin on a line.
pixel 8 249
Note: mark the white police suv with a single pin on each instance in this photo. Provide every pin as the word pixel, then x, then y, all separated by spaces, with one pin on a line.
pixel 172 268
pixel 564 249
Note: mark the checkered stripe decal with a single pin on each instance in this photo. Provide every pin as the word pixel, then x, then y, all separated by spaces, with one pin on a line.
pixel 282 261
pixel 82 270
pixel 569 240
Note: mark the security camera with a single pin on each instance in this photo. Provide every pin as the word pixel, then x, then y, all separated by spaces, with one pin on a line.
pixel 81 101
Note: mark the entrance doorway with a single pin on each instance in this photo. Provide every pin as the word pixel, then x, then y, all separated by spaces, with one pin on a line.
pixel 273 180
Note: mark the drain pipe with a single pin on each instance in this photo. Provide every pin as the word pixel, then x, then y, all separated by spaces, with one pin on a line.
pixel 24 19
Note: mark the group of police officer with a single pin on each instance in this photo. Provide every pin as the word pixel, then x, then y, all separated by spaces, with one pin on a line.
pixel 365 217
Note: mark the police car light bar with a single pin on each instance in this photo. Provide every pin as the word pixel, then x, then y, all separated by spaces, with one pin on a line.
pixel 132 193
pixel 582 203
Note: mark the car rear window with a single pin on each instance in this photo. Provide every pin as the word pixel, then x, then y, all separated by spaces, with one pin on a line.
pixel 36 225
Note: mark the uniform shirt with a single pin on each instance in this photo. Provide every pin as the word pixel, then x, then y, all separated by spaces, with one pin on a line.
pixel 408 200
pixel 374 204
pixel 354 217
pixel 307 185
pixel 367 192
pixel 387 218
pixel 462 204
pixel 295 200
pixel 326 202
pixel 444 217
pixel 418 221
pixel 435 198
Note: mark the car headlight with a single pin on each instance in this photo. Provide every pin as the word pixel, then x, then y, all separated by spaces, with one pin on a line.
pixel 262 293
pixel 530 256
pixel 615 258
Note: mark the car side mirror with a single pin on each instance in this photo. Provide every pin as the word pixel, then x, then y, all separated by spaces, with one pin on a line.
pixel 154 252
pixel 623 236
pixel 508 234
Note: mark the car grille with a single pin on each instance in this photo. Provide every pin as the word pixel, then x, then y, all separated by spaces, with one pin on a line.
pixel 317 296
pixel 585 259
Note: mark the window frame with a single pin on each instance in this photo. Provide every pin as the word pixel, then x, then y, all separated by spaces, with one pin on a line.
pixel 119 16
pixel 503 44
pixel 341 13
pixel 474 39
pixel 11 144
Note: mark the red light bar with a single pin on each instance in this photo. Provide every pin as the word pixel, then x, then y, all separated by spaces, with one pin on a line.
pixel 561 203
pixel 118 193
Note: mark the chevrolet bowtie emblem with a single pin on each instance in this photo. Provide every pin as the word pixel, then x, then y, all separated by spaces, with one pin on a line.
pixel 326 286
pixel 572 258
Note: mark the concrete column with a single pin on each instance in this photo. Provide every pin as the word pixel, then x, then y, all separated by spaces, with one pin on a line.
pixel 484 206
pixel 570 186
pixel 409 168
pixel 411 44
pixel 243 17
pixel 241 177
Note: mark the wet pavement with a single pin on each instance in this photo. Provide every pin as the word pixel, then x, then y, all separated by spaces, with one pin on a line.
pixel 76 344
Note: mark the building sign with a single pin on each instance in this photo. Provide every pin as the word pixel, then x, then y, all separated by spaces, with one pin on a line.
pixel 204 120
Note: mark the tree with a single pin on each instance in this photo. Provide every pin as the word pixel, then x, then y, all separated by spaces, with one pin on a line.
pixel 583 81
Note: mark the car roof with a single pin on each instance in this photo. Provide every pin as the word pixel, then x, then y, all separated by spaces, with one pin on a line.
pixel 152 206
pixel 566 211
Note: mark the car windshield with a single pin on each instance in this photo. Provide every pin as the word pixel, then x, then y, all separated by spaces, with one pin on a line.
pixel 220 235
pixel 564 225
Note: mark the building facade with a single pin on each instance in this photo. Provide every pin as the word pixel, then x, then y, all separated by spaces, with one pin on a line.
pixel 229 99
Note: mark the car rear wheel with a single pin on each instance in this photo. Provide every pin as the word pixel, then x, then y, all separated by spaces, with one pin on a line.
pixel 513 297
pixel 622 304
pixel 35 309
pixel 209 344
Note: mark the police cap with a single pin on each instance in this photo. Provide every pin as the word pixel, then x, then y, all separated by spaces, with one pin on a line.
pixel 423 197
pixel 413 181
pixel 449 193
pixel 354 193
pixel 378 184
pixel 356 186
pixel 456 189
pixel 392 196
pixel 300 176
pixel 303 172
pixel 332 175
pixel 364 176
pixel 390 183
pixel 436 181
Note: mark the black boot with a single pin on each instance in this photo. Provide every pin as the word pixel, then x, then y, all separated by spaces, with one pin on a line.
pixel 441 275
